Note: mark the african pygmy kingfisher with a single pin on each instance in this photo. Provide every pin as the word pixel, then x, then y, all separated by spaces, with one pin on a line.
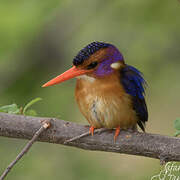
pixel 109 93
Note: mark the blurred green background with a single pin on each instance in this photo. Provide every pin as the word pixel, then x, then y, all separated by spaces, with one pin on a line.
pixel 38 40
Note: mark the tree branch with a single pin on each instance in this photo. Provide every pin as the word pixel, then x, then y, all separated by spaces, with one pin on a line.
pixel 135 143
pixel 43 127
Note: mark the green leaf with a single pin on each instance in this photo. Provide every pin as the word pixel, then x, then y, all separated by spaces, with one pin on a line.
pixel 31 103
pixel 177 124
pixel 12 109
pixel 177 133
pixel 31 112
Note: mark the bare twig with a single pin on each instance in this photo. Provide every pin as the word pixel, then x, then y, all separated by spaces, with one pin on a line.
pixel 45 125
pixel 83 135
pixel 128 142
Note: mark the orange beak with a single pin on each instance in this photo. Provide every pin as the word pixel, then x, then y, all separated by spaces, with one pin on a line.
pixel 71 73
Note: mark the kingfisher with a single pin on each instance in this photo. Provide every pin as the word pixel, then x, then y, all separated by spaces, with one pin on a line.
pixel 110 93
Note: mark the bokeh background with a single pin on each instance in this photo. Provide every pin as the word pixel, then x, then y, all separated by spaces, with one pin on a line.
pixel 38 40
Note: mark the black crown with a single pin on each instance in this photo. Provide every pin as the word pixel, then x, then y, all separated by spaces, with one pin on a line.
pixel 87 51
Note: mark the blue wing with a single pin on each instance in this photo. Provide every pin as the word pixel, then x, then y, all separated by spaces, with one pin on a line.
pixel 134 84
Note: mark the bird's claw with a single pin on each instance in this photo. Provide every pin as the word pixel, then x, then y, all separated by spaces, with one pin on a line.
pixel 116 133
pixel 91 130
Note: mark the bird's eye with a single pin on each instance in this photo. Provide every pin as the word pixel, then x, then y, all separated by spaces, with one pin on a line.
pixel 92 65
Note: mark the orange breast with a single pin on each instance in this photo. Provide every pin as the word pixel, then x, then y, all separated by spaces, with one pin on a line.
pixel 104 103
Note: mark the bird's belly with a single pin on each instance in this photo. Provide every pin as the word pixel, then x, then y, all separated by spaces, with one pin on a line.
pixel 108 111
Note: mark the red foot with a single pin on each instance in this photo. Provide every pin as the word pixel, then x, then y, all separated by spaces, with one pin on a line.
pixel 116 133
pixel 91 130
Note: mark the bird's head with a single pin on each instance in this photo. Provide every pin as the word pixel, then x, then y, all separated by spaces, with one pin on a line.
pixel 96 60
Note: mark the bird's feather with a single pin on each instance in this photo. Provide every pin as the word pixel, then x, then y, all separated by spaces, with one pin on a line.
pixel 134 84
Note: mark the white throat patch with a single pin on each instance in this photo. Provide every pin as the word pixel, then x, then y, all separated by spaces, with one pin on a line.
pixel 87 78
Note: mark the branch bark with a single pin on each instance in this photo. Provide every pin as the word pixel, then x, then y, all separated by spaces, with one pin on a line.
pixel 135 143
pixel 43 127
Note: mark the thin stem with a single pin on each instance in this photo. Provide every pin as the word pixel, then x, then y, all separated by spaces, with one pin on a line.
pixel 44 126
pixel 84 134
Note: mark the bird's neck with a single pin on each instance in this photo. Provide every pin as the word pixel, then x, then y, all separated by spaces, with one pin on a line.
pixel 106 85
pixel 87 78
